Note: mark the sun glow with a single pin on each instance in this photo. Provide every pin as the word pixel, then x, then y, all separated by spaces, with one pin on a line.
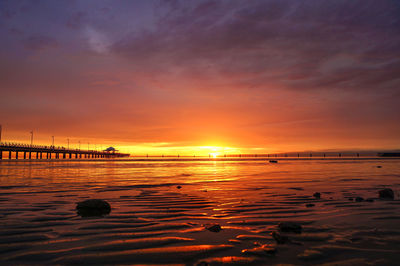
pixel 214 154
pixel 215 151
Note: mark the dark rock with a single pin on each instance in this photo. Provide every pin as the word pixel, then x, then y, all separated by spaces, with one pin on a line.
pixel 290 227
pixel 369 200
pixel 317 195
pixel 178 187
pixel 359 199
pixel 214 228
pixel 310 205
pixel 351 199
pixel 273 161
pixel 379 166
pixel 93 207
pixel 386 193
pixel 280 239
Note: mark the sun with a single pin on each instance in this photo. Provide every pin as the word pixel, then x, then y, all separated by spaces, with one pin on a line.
pixel 213 151
pixel 214 154
pixel 216 151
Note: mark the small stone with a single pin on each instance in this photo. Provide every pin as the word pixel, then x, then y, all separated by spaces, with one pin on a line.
pixel 317 195
pixel 350 199
pixel 379 166
pixel 290 227
pixel 93 207
pixel 309 205
pixel 214 228
pixel 280 239
pixel 359 199
pixel 386 193
pixel 273 161
pixel 178 187
pixel 369 200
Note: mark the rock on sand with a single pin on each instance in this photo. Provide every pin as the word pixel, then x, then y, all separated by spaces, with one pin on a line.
pixel 93 207
pixel 386 193
pixel 359 199
pixel 290 227
pixel 213 228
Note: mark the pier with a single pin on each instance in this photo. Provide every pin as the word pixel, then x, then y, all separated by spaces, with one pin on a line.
pixel 28 152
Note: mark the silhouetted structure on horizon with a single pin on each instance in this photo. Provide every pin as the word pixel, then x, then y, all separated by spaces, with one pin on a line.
pixel 389 154
pixel 58 152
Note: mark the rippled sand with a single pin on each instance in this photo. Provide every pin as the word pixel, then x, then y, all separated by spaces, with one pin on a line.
pixel 154 222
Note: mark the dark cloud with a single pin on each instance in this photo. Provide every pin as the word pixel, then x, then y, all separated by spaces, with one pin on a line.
pixel 38 43
pixel 300 45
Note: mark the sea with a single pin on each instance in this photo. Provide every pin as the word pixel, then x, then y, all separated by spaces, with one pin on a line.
pixel 201 212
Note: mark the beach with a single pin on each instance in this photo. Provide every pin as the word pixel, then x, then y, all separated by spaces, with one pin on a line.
pixel 210 212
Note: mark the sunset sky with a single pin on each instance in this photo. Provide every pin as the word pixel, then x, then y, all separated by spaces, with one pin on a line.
pixel 194 77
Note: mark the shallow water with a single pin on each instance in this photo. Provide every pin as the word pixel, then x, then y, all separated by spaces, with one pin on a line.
pixel 154 222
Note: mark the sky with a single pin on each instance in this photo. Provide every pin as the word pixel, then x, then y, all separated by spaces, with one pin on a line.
pixel 194 77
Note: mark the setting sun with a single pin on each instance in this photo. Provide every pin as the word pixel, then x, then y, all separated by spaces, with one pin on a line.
pixel 215 151
pixel 214 154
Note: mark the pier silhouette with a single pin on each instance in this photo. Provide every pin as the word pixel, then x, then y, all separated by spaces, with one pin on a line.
pixel 53 152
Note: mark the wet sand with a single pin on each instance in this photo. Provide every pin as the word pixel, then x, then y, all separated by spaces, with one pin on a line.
pixel 155 222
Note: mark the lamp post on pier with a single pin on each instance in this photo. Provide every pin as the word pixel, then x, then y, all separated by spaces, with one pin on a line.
pixel 0 133
pixel 31 138
pixel 68 144
pixel 52 143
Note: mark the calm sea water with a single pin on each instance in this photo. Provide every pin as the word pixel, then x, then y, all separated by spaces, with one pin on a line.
pixel 153 221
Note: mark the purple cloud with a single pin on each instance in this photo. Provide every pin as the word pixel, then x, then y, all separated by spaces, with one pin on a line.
pixel 38 43
pixel 298 45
